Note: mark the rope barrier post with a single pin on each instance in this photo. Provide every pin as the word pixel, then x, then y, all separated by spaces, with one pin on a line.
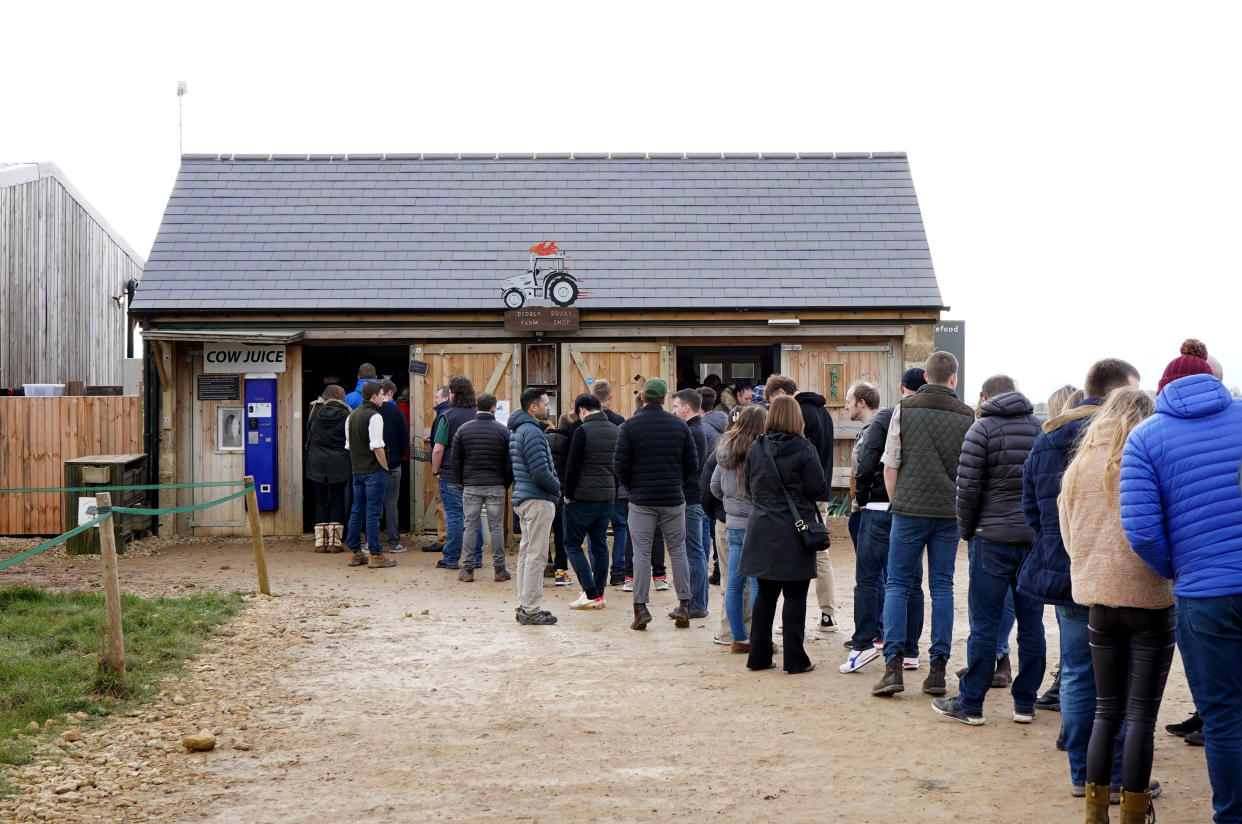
pixel 252 515
pixel 114 652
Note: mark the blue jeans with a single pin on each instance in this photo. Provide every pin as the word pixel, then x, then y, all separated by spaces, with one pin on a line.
pixel 583 519
pixel 993 579
pixel 620 534
pixel 709 541
pixel 1209 634
pixel 737 584
pixel 368 505
pixel 906 541
pixel 1078 692
pixel 697 554
pixel 870 574
pixel 454 525
pixel 1008 618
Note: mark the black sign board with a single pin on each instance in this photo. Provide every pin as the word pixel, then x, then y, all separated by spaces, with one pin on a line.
pixel 951 337
pixel 219 387
pixel 418 367
pixel 542 319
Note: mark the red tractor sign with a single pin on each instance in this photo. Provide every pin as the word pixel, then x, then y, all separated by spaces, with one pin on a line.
pixel 547 277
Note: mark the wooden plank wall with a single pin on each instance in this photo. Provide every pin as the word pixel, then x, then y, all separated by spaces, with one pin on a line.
pixel 58 273
pixel 807 366
pixel 624 365
pixel 200 461
pixel 477 362
pixel 37 435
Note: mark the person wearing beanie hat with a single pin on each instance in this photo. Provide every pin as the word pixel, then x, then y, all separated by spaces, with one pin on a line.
pixel 655 459
pixel 913 378
pixel 1192 361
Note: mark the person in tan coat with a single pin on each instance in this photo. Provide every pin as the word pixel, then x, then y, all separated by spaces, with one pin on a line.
pixel 1132 621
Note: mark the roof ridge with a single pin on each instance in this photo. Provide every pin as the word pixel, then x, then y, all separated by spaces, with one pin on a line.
pixel 510 156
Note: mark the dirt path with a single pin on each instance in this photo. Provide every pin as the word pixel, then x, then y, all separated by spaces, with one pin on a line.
pixel 401 695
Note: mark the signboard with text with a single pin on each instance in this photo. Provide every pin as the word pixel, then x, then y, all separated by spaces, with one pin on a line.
pixel 238 358
pixel 541 319
pixel 951 337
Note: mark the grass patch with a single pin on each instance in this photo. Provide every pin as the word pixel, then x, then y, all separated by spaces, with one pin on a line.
pixel 51 646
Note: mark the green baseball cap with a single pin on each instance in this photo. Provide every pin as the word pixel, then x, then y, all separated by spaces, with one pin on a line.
pixel 654 390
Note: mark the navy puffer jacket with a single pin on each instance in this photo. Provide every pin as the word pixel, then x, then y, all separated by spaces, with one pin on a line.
pixel 1046 572
pixel 534 474
pixel 1181 506
pixel 656 458
pixel 989 471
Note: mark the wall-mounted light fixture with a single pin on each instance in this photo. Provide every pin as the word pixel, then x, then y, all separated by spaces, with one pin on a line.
pixel 783 322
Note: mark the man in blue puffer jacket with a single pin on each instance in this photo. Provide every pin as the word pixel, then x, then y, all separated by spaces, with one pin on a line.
pixel 536 490
pixel 1046 572
pixel 1181 508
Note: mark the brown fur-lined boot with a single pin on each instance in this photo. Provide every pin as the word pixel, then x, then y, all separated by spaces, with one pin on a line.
pixel 336 537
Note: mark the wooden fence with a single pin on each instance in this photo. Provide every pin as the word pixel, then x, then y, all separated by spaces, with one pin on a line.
pixel 37 435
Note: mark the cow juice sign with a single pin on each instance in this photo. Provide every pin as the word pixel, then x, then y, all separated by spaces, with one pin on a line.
pixel 238 358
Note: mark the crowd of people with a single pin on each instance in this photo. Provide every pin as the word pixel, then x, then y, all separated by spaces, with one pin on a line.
pixel 1122 510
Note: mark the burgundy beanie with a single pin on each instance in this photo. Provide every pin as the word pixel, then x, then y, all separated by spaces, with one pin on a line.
pixel 1193 361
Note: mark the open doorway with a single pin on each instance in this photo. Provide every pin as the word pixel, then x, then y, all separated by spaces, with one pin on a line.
pixel 322 365
pixel 734 365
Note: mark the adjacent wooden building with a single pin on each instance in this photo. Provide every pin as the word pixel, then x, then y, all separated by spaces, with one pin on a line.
pixel 811 264
pixel 64 276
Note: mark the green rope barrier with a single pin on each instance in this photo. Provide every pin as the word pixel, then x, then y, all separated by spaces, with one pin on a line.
pixel 133 510
pixel 107 512
pixel 60 539
pixel 203 485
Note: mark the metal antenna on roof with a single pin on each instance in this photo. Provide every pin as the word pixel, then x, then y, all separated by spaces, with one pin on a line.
pixel 182 88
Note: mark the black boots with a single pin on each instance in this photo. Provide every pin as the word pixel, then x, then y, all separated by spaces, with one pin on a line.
pixel 681 615
pixel 892 682
pixel 934 683
pixel 641 617
pixel 1051 700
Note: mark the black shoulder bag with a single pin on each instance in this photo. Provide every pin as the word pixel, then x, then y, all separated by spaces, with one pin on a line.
pixel 814 535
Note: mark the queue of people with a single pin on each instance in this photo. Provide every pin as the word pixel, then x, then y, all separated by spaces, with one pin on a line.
pixel 1122 511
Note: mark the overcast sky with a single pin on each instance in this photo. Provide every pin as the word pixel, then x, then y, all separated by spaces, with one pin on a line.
pixel 1077 163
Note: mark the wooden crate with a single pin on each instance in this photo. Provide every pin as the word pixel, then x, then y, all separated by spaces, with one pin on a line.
pixel 105 470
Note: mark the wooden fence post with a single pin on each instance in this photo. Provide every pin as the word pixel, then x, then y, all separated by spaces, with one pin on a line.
pixel 114 650
pixel 256 534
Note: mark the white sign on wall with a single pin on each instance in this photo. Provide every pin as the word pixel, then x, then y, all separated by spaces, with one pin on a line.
pixel 236 358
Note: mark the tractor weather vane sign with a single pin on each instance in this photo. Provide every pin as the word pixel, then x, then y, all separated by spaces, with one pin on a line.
pixel 547 278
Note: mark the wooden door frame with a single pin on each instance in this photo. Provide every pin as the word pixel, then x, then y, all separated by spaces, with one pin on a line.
pixel 509 352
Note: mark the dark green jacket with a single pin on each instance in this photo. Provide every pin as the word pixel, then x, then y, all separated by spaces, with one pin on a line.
pixel 933 424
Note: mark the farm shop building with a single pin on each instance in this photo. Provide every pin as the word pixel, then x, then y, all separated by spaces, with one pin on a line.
pixel 811 264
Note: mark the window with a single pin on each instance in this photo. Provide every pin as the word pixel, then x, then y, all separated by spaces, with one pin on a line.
pixel 230 426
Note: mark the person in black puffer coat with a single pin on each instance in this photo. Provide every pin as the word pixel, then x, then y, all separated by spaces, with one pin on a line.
pixel 559 439
pixel 481 461
pixel 990 519
pixel 327 467
pixel 781 460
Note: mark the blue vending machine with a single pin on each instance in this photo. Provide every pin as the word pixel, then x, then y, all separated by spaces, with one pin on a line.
pixel 261 461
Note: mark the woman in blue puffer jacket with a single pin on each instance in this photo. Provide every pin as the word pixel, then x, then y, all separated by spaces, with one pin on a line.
pixel 1181 508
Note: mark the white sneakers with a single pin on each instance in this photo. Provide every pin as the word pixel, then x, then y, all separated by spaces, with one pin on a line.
pixel 859 658
pixel 909 663
pixel 584 602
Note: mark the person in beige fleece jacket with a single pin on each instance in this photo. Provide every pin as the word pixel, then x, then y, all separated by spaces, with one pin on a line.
pixel 1132 621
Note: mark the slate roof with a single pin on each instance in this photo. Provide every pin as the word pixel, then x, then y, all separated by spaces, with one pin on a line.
pixel 439 231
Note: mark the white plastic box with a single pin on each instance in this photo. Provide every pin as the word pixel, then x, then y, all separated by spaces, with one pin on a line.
pixel 44 389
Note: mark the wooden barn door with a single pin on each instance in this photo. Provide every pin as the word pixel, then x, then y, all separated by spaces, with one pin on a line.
pixel 491 367
pixel 626 365
pixel 821 367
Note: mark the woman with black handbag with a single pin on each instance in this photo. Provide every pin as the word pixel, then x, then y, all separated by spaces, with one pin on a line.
pixel 783 533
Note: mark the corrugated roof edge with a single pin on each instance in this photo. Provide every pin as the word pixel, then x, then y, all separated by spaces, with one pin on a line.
pixel 27 172
pixel 510 156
